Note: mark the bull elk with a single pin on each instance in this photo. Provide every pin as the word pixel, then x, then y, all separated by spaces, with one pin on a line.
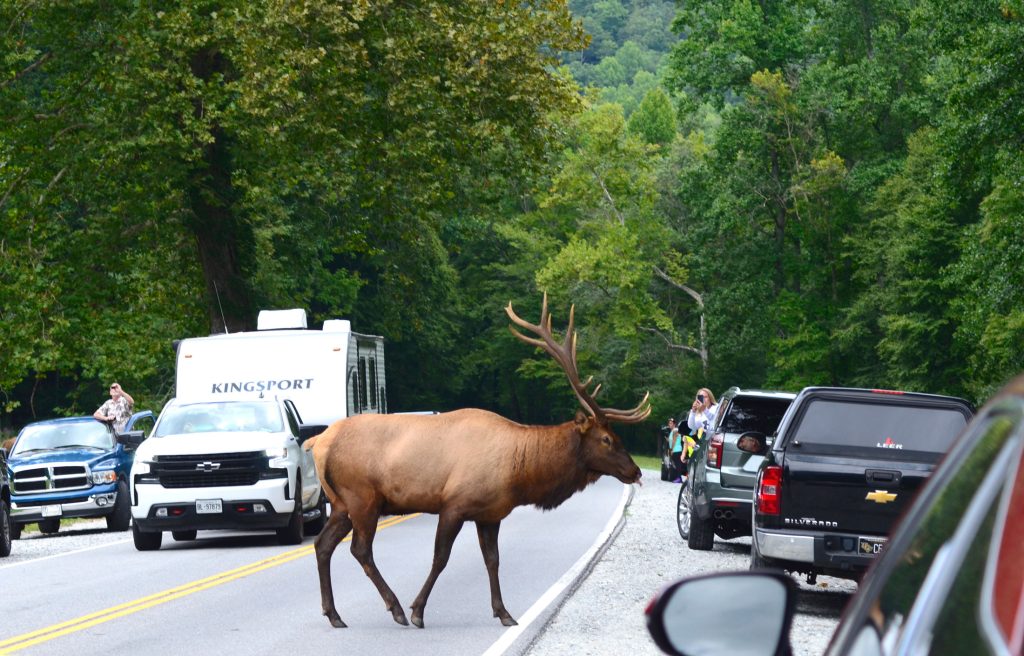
pixel 465 465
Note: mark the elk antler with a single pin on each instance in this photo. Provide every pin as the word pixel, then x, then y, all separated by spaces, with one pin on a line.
pixel 564 354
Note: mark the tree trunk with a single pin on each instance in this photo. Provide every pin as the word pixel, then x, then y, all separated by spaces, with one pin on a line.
pixel 223 238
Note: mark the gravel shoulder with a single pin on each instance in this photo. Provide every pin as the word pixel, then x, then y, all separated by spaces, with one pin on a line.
pixel 604 614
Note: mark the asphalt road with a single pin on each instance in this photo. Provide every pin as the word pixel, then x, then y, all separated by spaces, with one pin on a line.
pixel 230 593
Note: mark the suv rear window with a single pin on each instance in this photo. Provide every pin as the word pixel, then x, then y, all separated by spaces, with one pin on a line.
pixel 749 413
pixel 881 425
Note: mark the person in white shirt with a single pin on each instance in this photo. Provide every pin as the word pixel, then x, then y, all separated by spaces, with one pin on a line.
pixel 702 412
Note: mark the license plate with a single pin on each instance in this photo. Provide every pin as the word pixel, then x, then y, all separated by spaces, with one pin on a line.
pixel 870 546
pixel 51 510
pixel 208 506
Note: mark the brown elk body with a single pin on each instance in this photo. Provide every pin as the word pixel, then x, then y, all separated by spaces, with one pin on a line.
pixel 466 465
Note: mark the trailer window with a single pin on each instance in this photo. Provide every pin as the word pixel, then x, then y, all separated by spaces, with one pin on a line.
pixel 371 382
pixel 362 375
pixel 353 392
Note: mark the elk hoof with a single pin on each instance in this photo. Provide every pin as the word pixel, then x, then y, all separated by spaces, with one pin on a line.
pixel 508 621
pixel 399 616
pixel 417 620
pixel 335 620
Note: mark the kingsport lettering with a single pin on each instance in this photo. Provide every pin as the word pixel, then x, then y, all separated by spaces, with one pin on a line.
pixel 261 385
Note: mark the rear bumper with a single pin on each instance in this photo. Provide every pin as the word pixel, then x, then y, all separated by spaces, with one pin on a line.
pixel 823 551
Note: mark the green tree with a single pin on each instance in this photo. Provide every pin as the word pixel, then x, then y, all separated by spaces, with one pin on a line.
pixel 654 121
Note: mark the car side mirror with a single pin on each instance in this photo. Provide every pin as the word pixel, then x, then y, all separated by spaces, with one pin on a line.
pixel 131 439
pixel 307 431
pixel 753 442
pixel 687 617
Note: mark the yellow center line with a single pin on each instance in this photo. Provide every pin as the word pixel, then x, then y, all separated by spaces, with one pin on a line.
pixel 17 643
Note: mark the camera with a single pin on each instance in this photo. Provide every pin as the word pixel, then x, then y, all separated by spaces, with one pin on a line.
pixel 700 397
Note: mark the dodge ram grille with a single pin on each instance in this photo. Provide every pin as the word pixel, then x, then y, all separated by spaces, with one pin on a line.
pixel 52 477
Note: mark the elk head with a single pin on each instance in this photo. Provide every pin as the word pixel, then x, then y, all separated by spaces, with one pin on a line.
pixel 601 448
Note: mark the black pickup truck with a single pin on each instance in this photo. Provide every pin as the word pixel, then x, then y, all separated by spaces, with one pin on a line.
pixel 841 469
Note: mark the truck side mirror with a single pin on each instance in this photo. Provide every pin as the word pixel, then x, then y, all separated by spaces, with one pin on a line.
pixel 131 439
pixel 753 442
pixel 307 431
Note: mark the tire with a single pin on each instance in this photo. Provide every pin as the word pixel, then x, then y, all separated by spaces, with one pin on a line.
pixel 666 472
pixel 121 518
pixel 5 529
pixel 184 536
pixel 757 561
pixel 49 526
pixel 702 531
pixel 314 527
pixel 15 530
pixel 146 541
pixel 683 511
pixel 292 534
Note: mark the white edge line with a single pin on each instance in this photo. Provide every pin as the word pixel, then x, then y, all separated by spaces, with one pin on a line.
pixel 551 594
pixel 59 555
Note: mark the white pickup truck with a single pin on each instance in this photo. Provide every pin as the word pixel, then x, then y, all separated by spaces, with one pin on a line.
pixel 233 464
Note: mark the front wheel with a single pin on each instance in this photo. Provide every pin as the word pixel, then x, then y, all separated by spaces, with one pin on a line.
pixel 146 541
pixel 292 533
pixel 5 528
pixel 702 531
pixel 121 518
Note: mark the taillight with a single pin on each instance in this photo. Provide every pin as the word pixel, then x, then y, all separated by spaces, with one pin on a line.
pixel 769 492
pixel 714 458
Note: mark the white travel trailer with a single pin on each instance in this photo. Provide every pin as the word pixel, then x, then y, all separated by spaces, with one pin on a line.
pixel 328 374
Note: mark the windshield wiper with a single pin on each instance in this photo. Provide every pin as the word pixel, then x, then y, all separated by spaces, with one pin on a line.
pixel 78 446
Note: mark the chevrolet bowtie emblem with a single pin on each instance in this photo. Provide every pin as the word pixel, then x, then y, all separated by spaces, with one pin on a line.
pixel 208 466
pixel 880 496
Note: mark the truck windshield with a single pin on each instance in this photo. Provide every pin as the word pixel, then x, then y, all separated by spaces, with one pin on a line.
pixel 224 417
pixel 42 437
pixel 880 425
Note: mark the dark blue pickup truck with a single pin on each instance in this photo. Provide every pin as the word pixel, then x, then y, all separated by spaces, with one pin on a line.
pixel 73 467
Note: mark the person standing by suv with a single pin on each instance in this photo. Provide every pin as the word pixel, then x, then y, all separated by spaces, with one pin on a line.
pixel 116 409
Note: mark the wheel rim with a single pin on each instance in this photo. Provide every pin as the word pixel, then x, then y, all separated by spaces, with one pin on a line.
pixel 683 511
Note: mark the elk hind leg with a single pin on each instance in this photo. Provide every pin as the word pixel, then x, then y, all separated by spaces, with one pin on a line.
pixel 336 529
pixel 362 549
pixel 448 527
pixel 488 534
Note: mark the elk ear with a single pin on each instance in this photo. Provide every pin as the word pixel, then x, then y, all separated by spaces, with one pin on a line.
pixel 581 420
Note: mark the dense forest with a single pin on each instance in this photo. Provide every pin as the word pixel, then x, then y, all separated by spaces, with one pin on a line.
pixel 731 192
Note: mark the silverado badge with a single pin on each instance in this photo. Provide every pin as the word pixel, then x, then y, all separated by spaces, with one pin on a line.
pixel 880 496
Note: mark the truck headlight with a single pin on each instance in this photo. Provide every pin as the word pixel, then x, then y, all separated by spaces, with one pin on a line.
pixel 277 457
pixel 104 477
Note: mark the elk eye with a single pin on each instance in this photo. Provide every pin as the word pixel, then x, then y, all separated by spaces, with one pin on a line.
pixel 607 441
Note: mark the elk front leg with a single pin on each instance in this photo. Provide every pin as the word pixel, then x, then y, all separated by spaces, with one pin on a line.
pixel 488 534
pixel 448 527
pixel 362 549
pixel 337 527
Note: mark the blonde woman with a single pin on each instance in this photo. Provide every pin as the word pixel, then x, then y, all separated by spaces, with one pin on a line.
pixel 702 412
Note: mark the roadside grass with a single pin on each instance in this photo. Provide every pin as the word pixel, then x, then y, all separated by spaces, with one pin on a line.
pixel 647 462
pixel 65 523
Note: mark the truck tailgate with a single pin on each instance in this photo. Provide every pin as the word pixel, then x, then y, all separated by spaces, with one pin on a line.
pixel 858 495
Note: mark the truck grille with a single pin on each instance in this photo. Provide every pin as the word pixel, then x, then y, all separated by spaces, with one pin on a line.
pixel 47 478
pixel 209 469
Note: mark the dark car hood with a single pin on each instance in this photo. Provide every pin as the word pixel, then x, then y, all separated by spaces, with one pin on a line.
pixel 89 456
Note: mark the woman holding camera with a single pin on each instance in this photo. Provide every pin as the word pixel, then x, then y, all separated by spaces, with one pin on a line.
pixel 702 412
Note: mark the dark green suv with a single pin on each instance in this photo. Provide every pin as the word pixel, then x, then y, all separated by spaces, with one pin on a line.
pixel 717 496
